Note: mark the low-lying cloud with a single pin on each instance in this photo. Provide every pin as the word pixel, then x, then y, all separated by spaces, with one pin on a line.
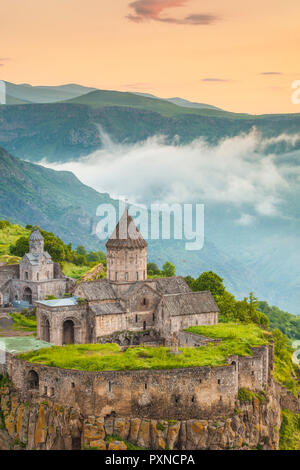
pixel 145 10
pixel 235 172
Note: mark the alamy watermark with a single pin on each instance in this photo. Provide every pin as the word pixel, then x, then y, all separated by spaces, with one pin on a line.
pixel 157 222
pixel 296 93
pixel 2 92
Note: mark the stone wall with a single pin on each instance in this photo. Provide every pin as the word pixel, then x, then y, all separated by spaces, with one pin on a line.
pixel 167 324
pixel 131 321
pixel 191 393
pixel 40 290
pixel 191 340
pixel 44 424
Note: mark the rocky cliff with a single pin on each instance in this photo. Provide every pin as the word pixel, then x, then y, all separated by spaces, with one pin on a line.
pixel 43 424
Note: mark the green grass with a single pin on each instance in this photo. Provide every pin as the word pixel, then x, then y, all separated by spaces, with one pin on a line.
pixel 244 334
pixel 247 335
pixel 23 323
pixel 285 375
pixel 246 396
pixel 114 437
pixel 8 236
pixel 101 357
pixel 71 270
pixel 289 431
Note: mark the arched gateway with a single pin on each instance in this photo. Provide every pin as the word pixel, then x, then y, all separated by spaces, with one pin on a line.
pixel 27 296
pixel 68 332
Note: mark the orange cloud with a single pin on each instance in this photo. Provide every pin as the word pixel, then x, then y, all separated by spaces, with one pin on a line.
pixel 152 9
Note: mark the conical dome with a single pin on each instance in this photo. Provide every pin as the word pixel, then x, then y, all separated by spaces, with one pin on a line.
pixel 126 234
pixel 36 235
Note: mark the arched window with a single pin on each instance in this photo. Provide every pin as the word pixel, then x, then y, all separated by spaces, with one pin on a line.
pixel 33 380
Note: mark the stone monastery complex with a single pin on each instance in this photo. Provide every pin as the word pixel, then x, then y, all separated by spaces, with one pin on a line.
pixel 129 309
pixel 126 300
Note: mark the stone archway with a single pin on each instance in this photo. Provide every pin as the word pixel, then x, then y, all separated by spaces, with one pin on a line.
pixel 68 332
pixel 27 295
pixel 33 380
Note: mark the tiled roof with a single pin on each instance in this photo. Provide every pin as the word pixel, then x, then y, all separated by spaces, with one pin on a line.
pixel 95 290
pixel 135 287
pixel 34 258
pixel 172 285
pixel 190 303
pixel 107 308
pixel 126 234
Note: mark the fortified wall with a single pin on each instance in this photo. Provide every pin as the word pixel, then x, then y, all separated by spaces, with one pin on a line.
pixel 190 393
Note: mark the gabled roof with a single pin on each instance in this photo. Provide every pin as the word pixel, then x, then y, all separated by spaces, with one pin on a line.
pixel 95 290
pixel 190 303
pixel 34 258
pixel 135 287
pixel 107 308
pixel 172 285
pixel 126 234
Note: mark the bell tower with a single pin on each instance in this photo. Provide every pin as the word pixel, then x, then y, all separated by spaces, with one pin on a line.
pixel 126 252
pixel 36 242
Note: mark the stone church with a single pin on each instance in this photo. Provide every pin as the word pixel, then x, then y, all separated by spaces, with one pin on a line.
pixel 35 278
pixel 126 301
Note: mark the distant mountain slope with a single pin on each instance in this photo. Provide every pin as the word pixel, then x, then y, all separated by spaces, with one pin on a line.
pixel 105 98
pixel 66 131
pixel 25 93
pixel 179 101
pixel 191 104
pixel 57 201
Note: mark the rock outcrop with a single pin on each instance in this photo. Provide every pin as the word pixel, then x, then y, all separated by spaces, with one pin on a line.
pixel 44 425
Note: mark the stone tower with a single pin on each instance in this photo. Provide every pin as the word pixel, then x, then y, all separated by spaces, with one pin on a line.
pixel 36 242
pixel 126 252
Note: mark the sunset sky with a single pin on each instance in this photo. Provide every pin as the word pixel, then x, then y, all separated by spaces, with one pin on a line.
pixel 242 56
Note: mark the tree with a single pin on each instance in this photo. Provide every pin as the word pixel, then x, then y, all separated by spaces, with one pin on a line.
pixel 209 281
pixel 153 269
pixel 81 250
pixel 189 280
pixel 227 306
pixel 168 269
pixel 20 247
pixel 4 224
